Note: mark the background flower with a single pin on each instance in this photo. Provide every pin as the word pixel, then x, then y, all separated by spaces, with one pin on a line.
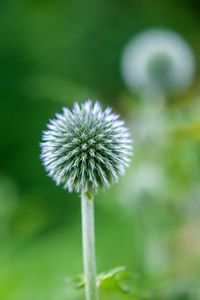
pixel 158 59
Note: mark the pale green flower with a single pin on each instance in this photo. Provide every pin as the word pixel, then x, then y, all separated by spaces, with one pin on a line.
pixel 86 147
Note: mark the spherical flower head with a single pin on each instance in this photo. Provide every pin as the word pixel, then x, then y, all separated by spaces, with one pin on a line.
pixel 158 59
pixel 86 148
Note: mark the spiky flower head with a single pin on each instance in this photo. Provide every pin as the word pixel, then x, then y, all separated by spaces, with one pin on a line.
pixel 158 59
pixel 86 147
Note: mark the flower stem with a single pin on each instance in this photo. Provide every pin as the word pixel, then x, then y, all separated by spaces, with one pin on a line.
pixel 88 239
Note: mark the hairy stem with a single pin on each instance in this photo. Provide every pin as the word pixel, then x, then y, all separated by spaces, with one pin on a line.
pixel 88 239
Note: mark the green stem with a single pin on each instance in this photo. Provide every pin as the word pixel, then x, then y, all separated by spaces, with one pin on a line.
pixel 88 239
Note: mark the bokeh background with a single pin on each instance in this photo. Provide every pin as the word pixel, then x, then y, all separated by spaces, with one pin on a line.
pixel 51 54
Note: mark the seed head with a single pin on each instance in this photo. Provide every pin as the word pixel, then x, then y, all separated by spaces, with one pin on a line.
pixel 86 147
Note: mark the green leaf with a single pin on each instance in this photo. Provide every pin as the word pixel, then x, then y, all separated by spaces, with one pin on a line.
pixel 117 279
pixel 114 279
pixel 78 281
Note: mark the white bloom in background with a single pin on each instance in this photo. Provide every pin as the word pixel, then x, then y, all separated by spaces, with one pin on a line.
pixel 148 180
pixel 158 59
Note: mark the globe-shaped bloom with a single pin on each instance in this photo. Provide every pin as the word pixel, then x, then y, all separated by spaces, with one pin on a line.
pixel 86 147
pixel 158 59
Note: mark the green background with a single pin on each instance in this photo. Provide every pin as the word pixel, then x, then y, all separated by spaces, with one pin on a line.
pixel 51 54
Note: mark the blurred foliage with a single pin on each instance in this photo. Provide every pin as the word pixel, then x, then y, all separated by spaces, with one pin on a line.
pixel 55 52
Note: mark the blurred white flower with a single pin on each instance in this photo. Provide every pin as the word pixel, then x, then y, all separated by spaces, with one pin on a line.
pixel 147 181
pixel 158 59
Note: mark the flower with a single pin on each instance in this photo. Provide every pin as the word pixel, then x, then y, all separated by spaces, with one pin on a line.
pixel 158 59
pixel 86 147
